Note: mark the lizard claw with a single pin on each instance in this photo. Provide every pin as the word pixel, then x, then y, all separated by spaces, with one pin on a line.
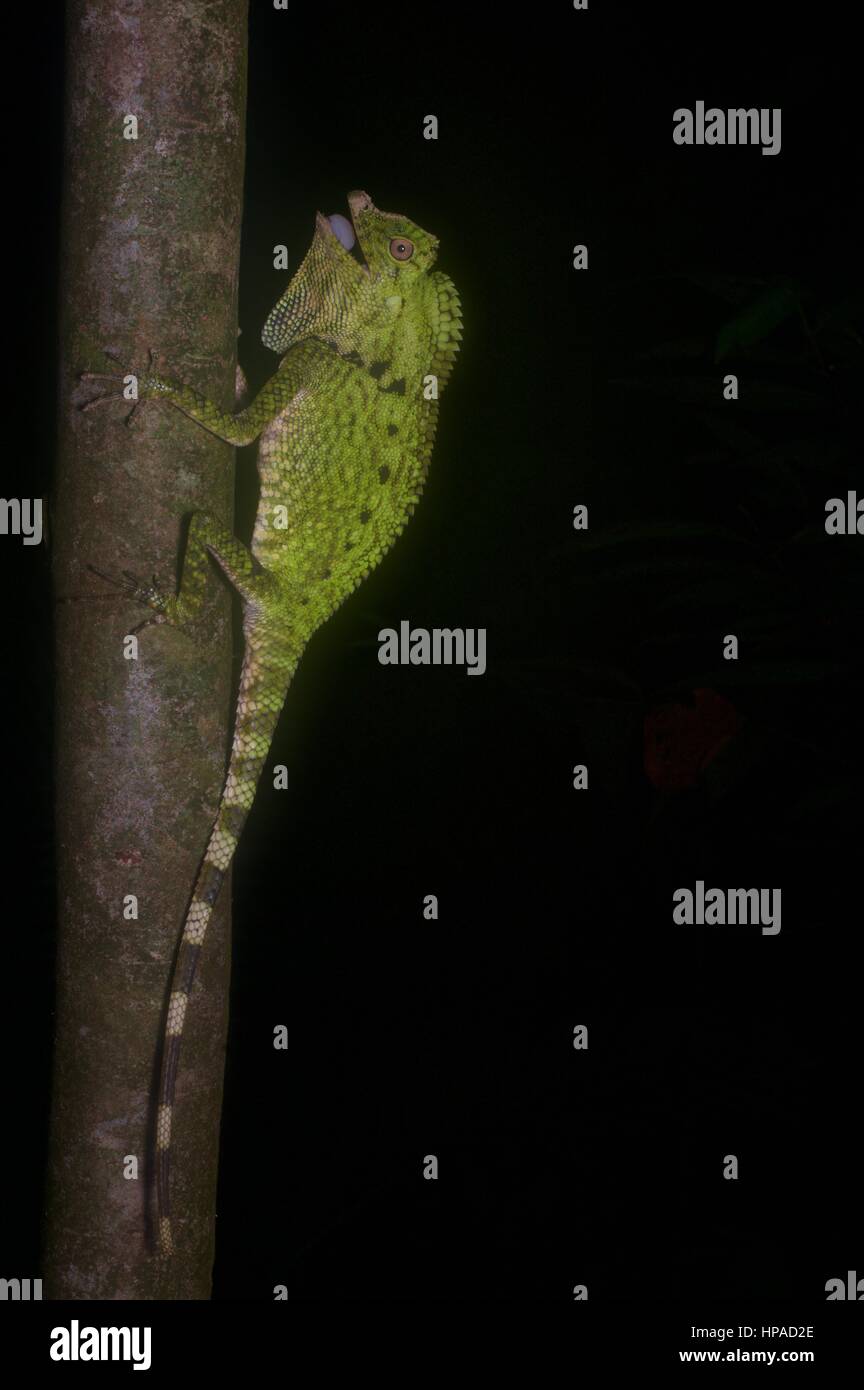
pixel 153 621
pixel 103 574
pixel 100 400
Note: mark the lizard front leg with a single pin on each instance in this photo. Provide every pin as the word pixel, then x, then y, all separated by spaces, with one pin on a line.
pixel 239 429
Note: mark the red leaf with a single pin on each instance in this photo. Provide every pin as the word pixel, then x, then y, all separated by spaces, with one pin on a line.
pixel 682 739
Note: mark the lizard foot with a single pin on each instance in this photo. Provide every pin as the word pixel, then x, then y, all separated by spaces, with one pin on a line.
pixel 165 606
pixel 146 384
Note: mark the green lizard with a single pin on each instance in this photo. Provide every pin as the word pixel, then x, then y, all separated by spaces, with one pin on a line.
pixel 347 426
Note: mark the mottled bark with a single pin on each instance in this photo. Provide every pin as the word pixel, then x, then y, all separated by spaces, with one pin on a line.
pixel 150 232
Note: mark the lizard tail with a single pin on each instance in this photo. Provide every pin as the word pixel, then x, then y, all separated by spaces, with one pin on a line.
pixel 264 683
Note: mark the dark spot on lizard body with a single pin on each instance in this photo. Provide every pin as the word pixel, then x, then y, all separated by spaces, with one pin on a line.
pixel 192 954
pixel 391 430
pixel 397 387
pixel 351 356
pixel 364 516
pixel 233 819
pixel 383 473
pixel 211 890
pixel 378 369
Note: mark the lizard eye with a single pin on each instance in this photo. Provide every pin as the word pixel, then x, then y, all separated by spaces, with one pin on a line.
pixel 401 249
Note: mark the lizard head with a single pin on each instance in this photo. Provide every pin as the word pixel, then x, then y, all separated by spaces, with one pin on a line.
pixel 349 267
pixel 394 248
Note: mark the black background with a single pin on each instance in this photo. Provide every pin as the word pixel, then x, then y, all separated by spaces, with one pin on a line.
pixel 455 1037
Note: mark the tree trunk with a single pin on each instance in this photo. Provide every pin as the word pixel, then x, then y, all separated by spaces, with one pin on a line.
pixel 150 235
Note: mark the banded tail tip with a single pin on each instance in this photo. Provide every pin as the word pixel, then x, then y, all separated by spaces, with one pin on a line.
pixel 166 1238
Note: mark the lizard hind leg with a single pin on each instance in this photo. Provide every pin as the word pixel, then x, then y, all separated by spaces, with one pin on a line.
pixel 208 537
pixel 185 609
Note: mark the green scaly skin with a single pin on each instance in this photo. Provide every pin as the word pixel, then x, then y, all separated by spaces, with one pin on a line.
pixel 346 436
